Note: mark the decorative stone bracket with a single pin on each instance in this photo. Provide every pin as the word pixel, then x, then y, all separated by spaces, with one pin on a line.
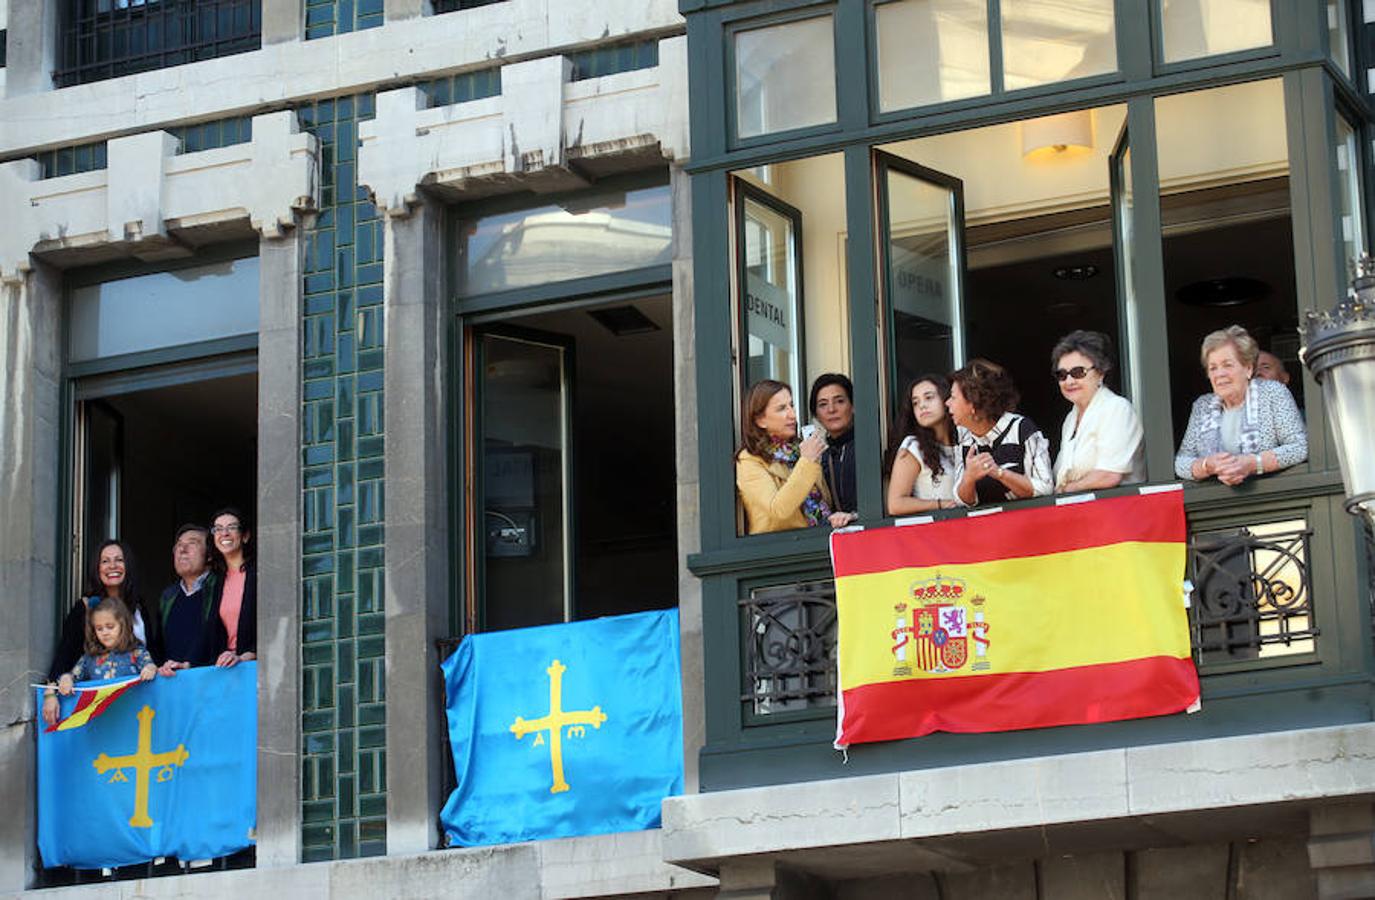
pixel 151 203
pixel 545 130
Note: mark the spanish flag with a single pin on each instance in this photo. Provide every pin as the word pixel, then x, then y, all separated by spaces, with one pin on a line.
pixel 1058 615
pixel 94 699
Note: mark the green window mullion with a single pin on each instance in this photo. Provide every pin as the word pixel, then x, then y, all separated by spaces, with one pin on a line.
pixel 1148 285
pixel 995 47
pixel 864 325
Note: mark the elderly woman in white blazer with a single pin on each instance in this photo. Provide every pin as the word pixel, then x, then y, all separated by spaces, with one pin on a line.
pixel 1101 441
pixel 1247 426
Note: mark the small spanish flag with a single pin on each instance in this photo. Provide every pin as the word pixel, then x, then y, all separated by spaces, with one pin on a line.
pixel 1032 618
pixel 94 700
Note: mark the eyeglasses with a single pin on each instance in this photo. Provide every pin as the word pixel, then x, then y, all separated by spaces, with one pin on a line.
pixel 233 528
pixel 1076 373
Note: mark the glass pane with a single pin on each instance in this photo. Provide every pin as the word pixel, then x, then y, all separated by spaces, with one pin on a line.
pixel 770 295
pixel 1227 230
pixel 923 278
pixel 785 77
pixel 1350 196
pixel 1126 267
pixel 523 477
pixel 1337 46
pixel 930 51
pixel 591 234
pixel 1194 28
pixel 165 309
pixel 1045 41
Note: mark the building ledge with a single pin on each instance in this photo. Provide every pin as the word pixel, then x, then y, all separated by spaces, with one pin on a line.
pixel 962 817
pixel 596 866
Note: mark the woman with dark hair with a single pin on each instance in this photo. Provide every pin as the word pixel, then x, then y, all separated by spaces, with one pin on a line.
pixel 235 617
pixel 1101 442
pixel 832 406
pixel 920 464
pixel 1004 455
pixel 111 574
pixel 779 478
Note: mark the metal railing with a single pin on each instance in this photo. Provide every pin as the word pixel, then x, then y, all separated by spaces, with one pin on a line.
pixel 102 39
pixel 790 647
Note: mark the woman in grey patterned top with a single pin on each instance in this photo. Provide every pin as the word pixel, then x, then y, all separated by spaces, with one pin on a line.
pixel 1246 426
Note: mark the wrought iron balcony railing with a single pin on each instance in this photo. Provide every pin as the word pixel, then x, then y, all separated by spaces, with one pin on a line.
pixel 790 647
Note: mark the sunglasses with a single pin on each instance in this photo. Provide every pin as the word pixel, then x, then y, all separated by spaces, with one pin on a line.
pixel 1076 373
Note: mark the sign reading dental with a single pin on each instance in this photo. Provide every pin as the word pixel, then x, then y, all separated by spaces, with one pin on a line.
pixel 768 313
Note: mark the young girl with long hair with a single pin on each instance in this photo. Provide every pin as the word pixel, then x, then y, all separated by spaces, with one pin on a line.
pixel 112 651
pixel 921 458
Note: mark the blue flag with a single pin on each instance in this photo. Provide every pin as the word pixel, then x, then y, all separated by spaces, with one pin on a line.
pixel 170 769
pixel 564 730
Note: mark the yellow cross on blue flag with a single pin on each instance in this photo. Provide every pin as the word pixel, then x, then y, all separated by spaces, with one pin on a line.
pixel 169 769
pixel 564 730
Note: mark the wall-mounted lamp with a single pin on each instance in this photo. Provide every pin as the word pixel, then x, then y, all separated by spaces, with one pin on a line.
pixel 1058 136
pixel 1339 349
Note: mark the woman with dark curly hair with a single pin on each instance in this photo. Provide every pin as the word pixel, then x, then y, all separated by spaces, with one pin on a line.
pixel 1004 456
pixel 920 464
pixel 1101 441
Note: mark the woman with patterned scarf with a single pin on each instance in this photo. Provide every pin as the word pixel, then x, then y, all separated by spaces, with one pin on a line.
pixel 779 477
pixel 1246 426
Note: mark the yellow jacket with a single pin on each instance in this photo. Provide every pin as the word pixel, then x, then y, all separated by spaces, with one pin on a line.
pixel 772 493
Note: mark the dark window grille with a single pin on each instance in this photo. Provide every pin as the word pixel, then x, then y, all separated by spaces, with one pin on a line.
pixel 107 38
pixel 1252 594
pixel 211 135
pixel 462 88
pixel 448 6
pixel 790 647
pixel 72 160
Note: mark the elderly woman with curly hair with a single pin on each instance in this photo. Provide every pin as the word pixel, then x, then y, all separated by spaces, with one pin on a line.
pixel 1247 425
pixel 779 478
pixel 1101 441
pixel 1004 456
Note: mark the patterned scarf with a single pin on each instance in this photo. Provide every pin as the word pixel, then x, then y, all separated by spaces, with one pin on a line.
pixel 1210 434
pixel 814 509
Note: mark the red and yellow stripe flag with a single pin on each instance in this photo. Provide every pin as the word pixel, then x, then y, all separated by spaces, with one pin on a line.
pixel 93 701
pixel 1052 616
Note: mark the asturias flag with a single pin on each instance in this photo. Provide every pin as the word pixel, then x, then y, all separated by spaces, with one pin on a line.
pixel 1024 619
pixel 169 769
pixel 564 730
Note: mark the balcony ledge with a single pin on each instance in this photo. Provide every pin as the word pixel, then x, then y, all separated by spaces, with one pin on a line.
pixel 962 817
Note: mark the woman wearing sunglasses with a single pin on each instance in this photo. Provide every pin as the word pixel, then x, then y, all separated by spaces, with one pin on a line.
pixel 1101 442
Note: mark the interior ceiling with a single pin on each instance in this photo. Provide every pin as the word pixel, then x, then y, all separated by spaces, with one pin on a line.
pixel 603 359
pixel 204 412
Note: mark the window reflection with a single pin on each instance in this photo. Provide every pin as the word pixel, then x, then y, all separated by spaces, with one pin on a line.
pixel 1350 197
pixel 593 234
pixel 931 51
pixel 1195 28
pixel 1045 41
pixel 164 309
pixel 1337 46
pixel 785 77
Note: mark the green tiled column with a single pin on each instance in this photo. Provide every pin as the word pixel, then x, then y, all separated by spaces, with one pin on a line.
pixel 343 698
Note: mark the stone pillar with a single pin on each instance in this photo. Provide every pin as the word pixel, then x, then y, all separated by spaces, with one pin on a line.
pixel 417 534
pixel 30 417
pixel 1341 850
pixel 31 47
pixel 279 549
pixel 689 515
pixel 283 20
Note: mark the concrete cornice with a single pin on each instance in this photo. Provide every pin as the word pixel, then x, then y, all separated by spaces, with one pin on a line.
pixel 284 73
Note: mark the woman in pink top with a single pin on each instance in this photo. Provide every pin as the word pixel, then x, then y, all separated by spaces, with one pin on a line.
pixel 235 618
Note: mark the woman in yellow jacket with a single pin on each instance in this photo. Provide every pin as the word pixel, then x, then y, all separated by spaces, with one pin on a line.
pixel 779 478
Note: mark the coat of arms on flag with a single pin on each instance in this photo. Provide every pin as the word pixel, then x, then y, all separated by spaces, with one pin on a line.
pixel 918 605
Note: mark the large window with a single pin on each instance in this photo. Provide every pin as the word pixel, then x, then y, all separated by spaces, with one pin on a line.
pixel 784 76
pixel 1194 28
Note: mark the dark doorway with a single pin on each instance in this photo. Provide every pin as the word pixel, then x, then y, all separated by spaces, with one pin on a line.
pixel 579 515
pixel 164 456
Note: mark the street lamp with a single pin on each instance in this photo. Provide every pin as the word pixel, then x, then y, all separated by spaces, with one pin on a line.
pixel 1339 349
